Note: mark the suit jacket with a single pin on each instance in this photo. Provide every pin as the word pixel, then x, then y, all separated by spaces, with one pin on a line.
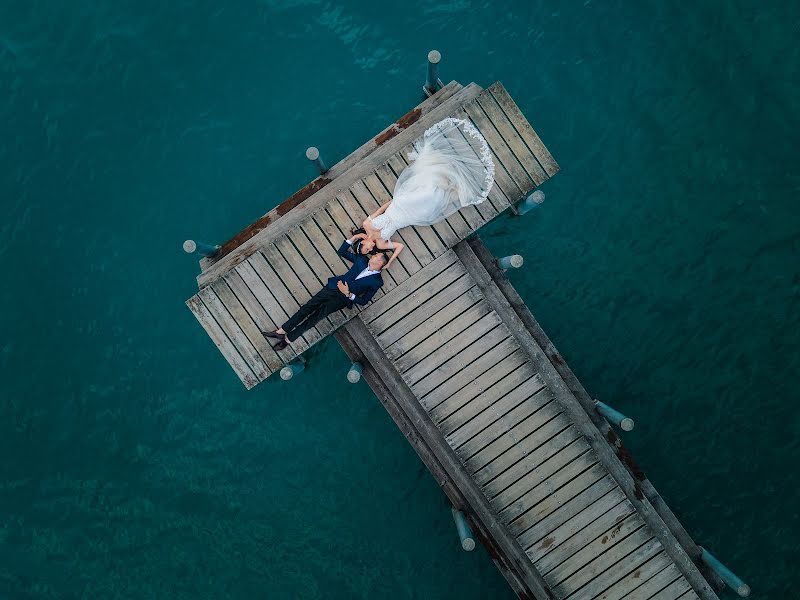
pixel 364 288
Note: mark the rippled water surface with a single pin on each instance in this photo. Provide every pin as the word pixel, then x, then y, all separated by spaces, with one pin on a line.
pixel 663 264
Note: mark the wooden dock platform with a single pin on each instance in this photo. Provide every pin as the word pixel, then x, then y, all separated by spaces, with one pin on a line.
pixel 462 367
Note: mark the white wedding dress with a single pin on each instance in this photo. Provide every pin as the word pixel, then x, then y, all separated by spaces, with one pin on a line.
pixel 451 167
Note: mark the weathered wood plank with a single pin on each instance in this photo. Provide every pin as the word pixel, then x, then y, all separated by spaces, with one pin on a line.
pixel 627 556
pixel 633 584
pixel 508 161
pixel 448 350
pixel 471 368
pixel 574 500
pixel 522 380
pixel 591 524
pixel 222 342
pixel 504 461
pixel 666 585
pixel 417 326
pixel 405 355
pixel 597 547
pixel 234 333
pixel 247 325
pixel 524 128
pixel 472 389
pixel 532 171
pixel 572 532
pixel 411 298
pixel 528 491
pixel 455 364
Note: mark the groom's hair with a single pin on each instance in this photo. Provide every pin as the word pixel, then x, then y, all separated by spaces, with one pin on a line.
pixel 385 257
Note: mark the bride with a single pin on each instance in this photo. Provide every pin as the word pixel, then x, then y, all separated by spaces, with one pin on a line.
pixel 446 174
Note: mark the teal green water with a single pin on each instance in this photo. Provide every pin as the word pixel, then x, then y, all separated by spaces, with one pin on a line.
pixel 664 266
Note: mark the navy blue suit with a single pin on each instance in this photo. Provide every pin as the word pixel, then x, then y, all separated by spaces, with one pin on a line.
pixel 329 299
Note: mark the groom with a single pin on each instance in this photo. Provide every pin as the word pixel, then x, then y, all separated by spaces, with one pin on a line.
pixel 357 286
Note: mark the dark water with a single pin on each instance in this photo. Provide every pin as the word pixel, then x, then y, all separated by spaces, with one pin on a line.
pixel 664 265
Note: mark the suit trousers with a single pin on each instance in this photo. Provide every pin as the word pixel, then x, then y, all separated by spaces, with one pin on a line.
pixel 319 306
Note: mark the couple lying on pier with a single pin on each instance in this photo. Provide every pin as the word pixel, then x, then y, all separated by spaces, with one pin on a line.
pixel 451 167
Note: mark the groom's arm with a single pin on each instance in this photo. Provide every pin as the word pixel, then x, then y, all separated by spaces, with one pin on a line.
pixel 365 296
pixel 344 251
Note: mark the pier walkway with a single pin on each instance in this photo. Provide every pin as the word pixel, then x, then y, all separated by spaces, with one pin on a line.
pixel 462 367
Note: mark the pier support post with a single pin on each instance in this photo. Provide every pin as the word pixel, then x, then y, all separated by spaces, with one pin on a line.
pixel 464 532
pixel 614 416
pixel 728 576
pixel 293 368
pixel 191 246
pixel 533 200
pixel 312 154
pixel 507 262
pixel 354 374
pixel 432 83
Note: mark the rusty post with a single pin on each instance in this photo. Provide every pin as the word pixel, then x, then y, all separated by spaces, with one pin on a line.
pixel 614 416
pixel 354 374
pixel 464 532
pixel 508 262
pixel 728 576
pixel 293 368
pixel 312 154
pixel 191 246
pixel 531 201
pixel 432 83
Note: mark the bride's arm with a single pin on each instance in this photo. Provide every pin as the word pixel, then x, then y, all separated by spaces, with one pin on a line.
pixel 396 248
pixel 380 210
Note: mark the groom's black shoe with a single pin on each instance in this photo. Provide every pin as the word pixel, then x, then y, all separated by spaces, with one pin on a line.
pixel 272 334
pixel 280 346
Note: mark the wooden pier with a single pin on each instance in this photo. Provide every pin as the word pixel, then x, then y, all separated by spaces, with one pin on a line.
pixel 462 367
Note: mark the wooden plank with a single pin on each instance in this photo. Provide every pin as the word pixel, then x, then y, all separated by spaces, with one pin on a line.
pixel 584 516
pixel 450 349
pixel 502 180
pixel 633 584
pixel 667 585
pixel 443 228
pixel 517 503
pixel 561 549
pixel 282 296
pixel 427 234
pixel 627 556
pixel 579 495
pixel 323 195
pixel 407 357
pixel 597 547
pixel 262 319
pixel 288 279
pixel 234 333
pixel 412 296
pixel 472 389
pixel 414 243
pixel 538 483
pixel 507 160
pixel 519 404
pixel 579 415
pixel 470 370
pixel 529 444
pixel 524 128
pixel 247 325
pixel 222 342
pixel 532 171
pixel 496 199
pixel 472 494
pixel 455 364
pixel 522 382
pixel 415 327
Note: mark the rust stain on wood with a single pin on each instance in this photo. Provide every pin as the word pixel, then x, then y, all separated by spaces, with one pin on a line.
pixel 284 207
pixel 402 123
pixel 547 542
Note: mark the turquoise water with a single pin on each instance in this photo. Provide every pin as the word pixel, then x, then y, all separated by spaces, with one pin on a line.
pixel 663 264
